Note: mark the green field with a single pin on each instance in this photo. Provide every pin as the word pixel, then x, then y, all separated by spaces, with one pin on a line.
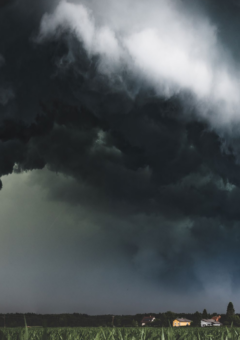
pixel 170 333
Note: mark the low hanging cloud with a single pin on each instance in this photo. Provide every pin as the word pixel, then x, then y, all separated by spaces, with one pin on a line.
pixel 173 52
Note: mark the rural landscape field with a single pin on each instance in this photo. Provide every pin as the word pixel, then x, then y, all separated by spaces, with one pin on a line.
pixel 78 333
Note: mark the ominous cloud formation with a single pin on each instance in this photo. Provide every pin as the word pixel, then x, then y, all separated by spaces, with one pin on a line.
pixel 135 105
pixel 171 50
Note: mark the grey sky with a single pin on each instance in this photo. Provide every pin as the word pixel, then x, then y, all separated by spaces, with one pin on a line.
pixel 62 258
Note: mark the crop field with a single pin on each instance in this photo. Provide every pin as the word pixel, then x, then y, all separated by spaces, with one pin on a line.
pixel 170 333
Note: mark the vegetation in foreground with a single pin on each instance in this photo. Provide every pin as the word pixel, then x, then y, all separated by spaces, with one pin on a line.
pixel 42 333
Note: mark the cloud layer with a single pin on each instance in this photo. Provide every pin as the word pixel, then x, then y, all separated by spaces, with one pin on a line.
pixel 172 51
pixel 125 116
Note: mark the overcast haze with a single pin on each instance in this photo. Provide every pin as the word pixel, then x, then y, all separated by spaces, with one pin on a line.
pixel 119 156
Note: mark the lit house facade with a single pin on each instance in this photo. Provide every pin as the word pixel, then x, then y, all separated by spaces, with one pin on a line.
pixel 181 322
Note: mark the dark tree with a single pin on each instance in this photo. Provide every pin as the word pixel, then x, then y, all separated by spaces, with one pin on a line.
pixel 134 323
pixel 230 309
pixel 196 318
pixel 204 314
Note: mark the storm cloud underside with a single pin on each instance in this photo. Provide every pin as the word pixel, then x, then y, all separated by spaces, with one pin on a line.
pixel 119 126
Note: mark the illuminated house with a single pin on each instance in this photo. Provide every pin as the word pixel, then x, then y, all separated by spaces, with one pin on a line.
pixel 181 322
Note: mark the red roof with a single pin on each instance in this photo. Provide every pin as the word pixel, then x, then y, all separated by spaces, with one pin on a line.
pixel 216 318
pixel 147 319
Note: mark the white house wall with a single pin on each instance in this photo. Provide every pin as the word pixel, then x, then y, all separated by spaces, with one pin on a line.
pixel 204 324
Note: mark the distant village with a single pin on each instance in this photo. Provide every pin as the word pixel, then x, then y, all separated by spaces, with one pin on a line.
pixel 182 322
pixel 200 319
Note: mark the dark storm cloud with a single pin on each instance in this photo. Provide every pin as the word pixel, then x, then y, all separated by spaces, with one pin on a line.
pixel 137 153
pixel 226 15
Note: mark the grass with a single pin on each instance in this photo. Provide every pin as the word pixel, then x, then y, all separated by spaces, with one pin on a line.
pixel 78 333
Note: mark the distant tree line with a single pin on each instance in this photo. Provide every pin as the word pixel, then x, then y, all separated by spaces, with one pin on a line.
pixel 85 320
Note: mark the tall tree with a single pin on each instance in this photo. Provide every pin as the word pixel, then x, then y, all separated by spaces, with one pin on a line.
pixel 204 314
pixel 230 309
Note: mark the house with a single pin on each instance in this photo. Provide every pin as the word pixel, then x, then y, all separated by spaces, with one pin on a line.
pixel 181 322
pixel 206 322
pixel 147 319
pixel 210 322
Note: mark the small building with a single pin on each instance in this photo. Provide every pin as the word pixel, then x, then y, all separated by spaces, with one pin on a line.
pixel 147 319
pixel 181 322
pixel 210 323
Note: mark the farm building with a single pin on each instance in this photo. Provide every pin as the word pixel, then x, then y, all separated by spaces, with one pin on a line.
pixel 181 322
pixel 147 319
pixel 210 322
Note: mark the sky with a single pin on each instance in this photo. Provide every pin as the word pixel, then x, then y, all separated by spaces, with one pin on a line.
pixel 119 156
